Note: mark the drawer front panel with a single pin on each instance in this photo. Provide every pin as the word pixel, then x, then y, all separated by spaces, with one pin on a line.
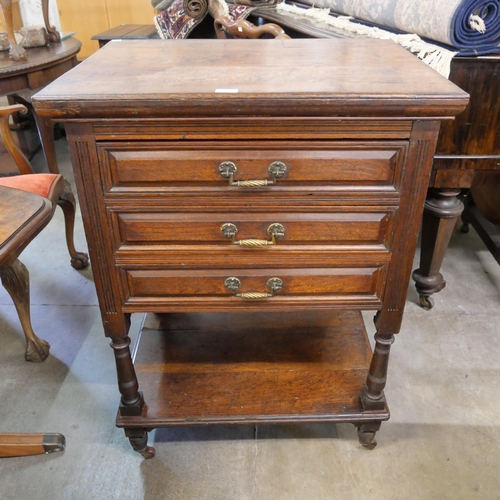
pixel 329 282
pixel 253 230
pixel 137 165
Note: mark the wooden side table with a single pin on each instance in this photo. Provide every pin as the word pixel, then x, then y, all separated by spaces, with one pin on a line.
pixel 22 78
pixel 260 196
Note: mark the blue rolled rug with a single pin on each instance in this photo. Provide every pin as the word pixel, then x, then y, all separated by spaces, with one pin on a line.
pixel 471 26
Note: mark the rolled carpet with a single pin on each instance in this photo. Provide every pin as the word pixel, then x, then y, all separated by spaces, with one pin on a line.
pixel 471 26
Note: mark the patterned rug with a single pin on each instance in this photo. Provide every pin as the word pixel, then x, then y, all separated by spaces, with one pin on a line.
pixel 471 26
pixel 174 23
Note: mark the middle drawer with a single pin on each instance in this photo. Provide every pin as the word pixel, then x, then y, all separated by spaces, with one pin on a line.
pixel 253 230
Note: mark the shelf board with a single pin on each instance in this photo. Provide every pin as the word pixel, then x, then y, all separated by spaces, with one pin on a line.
pixel 243 368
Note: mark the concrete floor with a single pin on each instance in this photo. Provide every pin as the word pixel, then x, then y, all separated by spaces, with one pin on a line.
pixel 442 441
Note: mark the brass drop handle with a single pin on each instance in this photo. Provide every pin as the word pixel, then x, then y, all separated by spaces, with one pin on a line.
pixel 233 284
pixel 276 169
pixel 275 231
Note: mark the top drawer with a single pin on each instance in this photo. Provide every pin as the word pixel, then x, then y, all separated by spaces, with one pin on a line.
pixel 139 166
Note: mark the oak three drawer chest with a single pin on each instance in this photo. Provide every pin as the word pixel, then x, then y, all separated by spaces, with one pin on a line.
pixel 255 195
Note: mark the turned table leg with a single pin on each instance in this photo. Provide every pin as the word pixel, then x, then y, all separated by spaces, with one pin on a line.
pixel 441 212
pixel 372 396
pixel 15 279
pixel 132 401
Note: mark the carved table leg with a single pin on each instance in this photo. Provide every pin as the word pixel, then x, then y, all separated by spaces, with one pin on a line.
pixel 15 279
pixel 138 438
pixel 442 209
pixel 67 202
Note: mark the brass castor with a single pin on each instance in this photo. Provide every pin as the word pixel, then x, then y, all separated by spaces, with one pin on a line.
pixel 149 452
pixel 426 302
pixel 140 444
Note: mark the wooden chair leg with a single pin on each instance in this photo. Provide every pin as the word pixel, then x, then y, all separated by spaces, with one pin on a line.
pixel 23 445
pixel 15 279
pixel 67 202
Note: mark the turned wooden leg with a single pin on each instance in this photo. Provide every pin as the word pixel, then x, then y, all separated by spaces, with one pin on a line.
pixel 366 434
pixel 132 401
pixel 46 134
pixel 79 260
pixel 16 52
pixel 372 395
pixel 15 279
pixel 441 212
pixel 138 438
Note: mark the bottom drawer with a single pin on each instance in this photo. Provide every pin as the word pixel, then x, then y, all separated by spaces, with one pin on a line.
pixel 233 289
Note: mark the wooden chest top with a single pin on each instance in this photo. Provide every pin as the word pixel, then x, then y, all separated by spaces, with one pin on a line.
pixel 295 77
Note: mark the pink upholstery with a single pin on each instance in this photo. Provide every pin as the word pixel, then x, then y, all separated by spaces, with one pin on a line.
pixel 41 184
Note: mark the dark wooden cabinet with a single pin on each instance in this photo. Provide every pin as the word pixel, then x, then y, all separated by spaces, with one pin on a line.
pixel 256 195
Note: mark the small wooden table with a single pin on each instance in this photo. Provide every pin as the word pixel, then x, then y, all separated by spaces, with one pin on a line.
pixel 260 192
pixel 23 78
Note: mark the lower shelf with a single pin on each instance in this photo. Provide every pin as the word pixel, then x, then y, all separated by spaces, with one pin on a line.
pixel 252 368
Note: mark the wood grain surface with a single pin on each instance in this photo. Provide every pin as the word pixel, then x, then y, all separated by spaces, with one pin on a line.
pixel 251 77
pixel 211 368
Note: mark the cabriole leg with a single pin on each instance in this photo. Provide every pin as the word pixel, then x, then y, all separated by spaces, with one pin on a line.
pixel 67 202
pixel 15 279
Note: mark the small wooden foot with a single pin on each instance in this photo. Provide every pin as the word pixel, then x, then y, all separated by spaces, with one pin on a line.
pixel 366 434
pixel 15 279
pixel 67 202
pixel 139 440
